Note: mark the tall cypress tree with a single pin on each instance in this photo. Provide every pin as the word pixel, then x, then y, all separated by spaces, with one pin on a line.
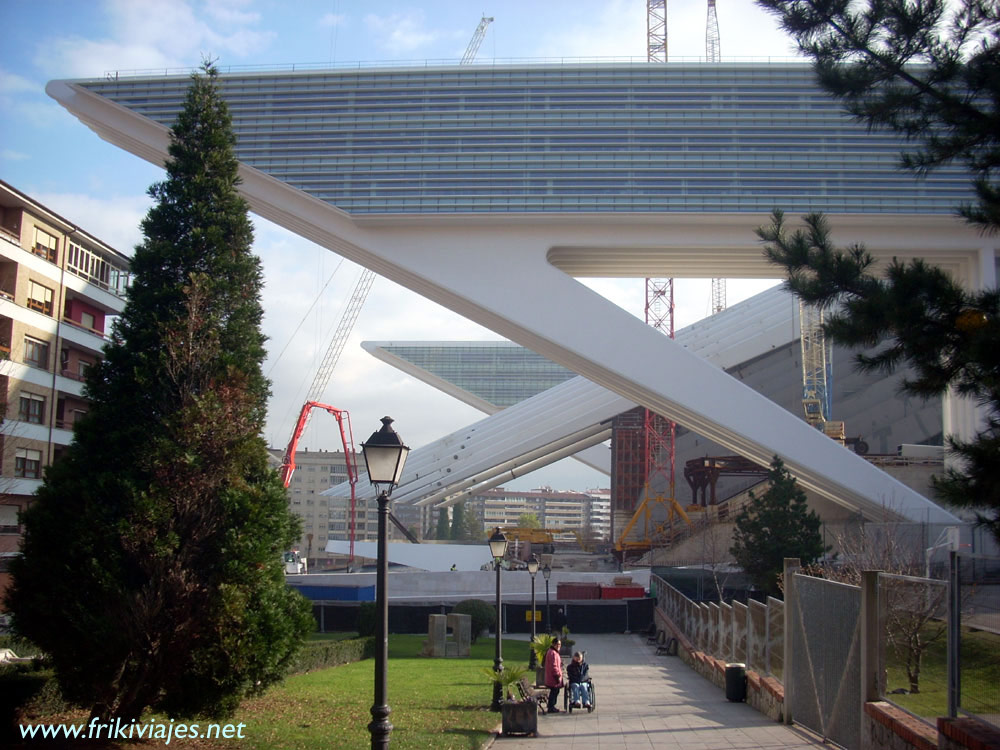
pixel 457 521
pixel 443 529
pixel 151 570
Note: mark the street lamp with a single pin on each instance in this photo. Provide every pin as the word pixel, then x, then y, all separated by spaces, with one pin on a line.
pixel 498 548
pixel 533 569
pixel 547 574
pixel 385 455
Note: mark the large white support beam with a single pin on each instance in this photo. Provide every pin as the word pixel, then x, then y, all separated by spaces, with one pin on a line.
pixel 501 271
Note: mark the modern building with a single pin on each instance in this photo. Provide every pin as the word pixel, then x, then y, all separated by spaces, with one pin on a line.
pixel 565 514
pixel 487 375
pixel 60 289
pixel 488 188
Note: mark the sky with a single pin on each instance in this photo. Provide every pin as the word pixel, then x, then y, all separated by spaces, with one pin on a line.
pixel 50 155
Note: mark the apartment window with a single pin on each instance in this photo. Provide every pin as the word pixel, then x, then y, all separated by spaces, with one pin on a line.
pixel 36 353
pixel 8 519
pixel 32 408
pixel 45 245
pixel 40 298
pixel 28 463
pixel 87 320
pixel 82 367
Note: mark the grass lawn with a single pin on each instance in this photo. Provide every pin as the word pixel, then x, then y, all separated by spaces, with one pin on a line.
pixel 436 703
pixel 980 677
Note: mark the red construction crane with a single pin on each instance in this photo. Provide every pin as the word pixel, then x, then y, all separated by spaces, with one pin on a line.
pixel 319 384
pixel 346 439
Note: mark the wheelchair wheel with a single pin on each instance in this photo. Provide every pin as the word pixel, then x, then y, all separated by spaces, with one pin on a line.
pixel 593 697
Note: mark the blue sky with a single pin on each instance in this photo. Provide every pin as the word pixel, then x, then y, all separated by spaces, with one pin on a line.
pixel 50 155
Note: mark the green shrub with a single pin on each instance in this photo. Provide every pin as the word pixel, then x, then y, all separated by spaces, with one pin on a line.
pixel 483 614
pixel 321 654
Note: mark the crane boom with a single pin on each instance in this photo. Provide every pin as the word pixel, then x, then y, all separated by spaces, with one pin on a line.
pixel 713 51
pixel 346 439
pixel 339 340
pixel 713 54
pixel 477 39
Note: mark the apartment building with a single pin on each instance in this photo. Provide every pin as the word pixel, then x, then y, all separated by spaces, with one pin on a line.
pixel 567 514
pixel 60 289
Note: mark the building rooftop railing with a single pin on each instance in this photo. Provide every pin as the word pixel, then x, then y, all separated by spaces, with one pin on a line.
pixel 113 75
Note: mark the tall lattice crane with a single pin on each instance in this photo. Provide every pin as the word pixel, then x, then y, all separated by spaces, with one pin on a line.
pixel 477 39
pixel 656 30
pixel 657 432
pixel 319 384
pixel 713 54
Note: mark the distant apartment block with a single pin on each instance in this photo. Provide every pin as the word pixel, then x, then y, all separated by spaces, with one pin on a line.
pixel 60 289
pixel 568 515
pixel 325 518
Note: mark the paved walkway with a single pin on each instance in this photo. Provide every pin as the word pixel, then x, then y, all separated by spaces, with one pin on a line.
pixel 649 702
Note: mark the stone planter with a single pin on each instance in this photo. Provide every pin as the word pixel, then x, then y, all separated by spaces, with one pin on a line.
pixel 519 717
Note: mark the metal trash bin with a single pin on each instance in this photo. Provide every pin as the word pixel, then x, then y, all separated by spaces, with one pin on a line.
pixel 736 682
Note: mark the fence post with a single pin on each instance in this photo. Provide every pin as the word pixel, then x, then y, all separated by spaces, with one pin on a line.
pixel 791 567
pixel 870 637
pixel 954 633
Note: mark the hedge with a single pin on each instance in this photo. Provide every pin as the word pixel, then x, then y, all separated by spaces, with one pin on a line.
pixel 321 654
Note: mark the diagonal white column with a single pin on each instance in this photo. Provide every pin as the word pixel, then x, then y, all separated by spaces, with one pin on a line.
pixel 496 271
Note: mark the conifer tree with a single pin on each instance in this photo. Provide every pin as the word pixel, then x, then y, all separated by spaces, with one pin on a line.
pixel 151 570
pixel 930 71
pixel 457 521
pixel 776 525
pixel 443 530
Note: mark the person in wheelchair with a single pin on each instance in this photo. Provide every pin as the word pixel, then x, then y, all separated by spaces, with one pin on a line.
pixel 579 681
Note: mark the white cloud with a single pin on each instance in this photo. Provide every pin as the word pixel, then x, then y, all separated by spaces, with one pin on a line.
pixel 113 219
pixel 228 11
pixel 401 32
pixel 331 19
pixel 150 34
pixel 9 155
pixel 11 83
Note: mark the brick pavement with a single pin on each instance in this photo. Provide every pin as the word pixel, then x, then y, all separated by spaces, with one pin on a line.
pixel 649 702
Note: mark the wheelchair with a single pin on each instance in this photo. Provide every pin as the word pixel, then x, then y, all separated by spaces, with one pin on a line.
pixel 568 704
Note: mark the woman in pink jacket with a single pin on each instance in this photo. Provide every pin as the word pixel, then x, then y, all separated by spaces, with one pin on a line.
pixel 553 674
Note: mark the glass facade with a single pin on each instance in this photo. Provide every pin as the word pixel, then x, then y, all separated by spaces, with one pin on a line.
pixel 594 137
pixel 501 373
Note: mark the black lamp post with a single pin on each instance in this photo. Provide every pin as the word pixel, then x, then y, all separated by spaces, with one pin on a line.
pixel 498 548
pixel 547 574
pixel 533 569
pixel 385 455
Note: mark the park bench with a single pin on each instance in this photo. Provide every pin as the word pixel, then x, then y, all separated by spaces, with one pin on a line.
pixel 527 691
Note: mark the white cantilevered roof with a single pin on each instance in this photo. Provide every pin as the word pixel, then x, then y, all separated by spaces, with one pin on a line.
pixel 514 274
pixel 469 461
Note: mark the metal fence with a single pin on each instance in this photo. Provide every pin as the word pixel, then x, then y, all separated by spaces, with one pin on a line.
pixel 823 681
pixel 913 637
pixel 977 578
pixel 937 643
pixel 752 634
